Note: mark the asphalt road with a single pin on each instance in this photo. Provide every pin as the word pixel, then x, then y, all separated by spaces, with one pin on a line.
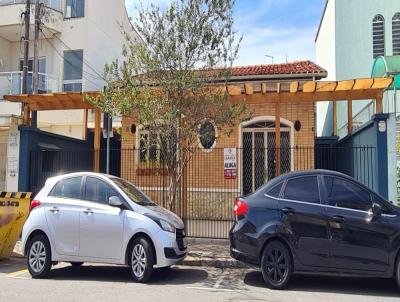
pixel 100 283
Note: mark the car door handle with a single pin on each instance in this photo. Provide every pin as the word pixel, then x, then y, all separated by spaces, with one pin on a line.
pixel 88 211
pixel 338 219
pixel 54 210
pixel 288 211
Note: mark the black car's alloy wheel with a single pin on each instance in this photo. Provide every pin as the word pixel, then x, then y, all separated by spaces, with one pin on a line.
pixel 39 257
pixel 276 265
pixel 141 260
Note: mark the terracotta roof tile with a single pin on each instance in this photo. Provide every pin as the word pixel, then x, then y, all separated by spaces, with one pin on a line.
pixel 299 67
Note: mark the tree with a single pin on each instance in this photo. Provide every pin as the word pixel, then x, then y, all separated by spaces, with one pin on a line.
pixel 174 80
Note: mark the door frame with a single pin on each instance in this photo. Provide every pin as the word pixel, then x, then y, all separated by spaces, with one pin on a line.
pixel 264 118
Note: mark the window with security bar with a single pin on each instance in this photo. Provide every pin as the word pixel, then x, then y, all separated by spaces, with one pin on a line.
pixel 396 33
pixel 378 36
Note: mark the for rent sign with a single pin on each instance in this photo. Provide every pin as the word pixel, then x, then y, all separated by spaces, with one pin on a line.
pixel 230 163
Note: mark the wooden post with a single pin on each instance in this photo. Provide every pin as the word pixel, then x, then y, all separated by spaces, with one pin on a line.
pixel 97 137
pixel 27 114
pixel 379 102
pixel 277 139
pixel 84 128
pixel 334 118
pixel 349 116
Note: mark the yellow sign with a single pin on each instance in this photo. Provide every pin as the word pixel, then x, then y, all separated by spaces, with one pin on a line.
pixel 14 210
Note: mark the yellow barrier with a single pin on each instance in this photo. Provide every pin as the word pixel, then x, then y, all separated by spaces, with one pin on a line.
pixel 14 210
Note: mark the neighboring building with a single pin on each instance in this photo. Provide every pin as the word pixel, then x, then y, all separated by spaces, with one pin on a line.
pixel 352 34
pixel 78 38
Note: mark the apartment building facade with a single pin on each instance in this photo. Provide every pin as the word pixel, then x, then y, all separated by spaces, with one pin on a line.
pixel 77 39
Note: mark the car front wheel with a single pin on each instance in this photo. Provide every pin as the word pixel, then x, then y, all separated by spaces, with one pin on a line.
pixel 39 257
pixel 276 265
pixel 141 260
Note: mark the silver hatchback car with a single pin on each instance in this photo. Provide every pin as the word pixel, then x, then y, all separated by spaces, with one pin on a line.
pixel 90 217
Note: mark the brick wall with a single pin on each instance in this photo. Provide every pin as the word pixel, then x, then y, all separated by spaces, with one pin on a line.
pixel 206 170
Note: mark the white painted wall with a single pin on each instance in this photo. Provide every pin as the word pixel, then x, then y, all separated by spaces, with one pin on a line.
pixel 100 36
pixel 325 57
pixel 351 44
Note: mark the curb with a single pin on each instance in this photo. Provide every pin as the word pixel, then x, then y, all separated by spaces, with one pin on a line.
pixel 192 259
pixel 212 262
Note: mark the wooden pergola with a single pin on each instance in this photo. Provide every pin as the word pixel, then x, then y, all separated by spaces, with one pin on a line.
pixel 277 93
pixel 63 101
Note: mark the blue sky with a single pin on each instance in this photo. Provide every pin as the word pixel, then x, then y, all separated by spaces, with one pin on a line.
pixel 280 28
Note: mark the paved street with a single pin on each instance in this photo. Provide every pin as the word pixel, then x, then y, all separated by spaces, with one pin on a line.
pixel 111 283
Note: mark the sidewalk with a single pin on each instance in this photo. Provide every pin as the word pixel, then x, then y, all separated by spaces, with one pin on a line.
pixel 210 252
pixel 202 252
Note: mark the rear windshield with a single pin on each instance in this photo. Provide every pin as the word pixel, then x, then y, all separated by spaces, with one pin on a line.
pixel 133 193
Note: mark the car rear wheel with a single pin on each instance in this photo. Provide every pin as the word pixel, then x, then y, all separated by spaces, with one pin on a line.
pixel 276 265
pixel 39 257
pixel 141 260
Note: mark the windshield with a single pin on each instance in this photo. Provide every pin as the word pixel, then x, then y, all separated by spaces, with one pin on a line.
pixel 133 193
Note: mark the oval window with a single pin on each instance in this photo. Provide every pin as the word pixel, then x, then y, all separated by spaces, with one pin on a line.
pixel 207 135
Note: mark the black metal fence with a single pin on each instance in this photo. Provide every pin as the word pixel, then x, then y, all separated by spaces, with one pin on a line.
pixel 213 178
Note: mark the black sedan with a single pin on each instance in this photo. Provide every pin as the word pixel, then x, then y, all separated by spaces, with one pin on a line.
pixel 316 222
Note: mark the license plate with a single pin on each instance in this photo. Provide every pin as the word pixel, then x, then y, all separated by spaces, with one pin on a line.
pixel 185 242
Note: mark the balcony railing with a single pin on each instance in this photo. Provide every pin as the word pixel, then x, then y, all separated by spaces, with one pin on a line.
pixel 11 83
pixel 54 4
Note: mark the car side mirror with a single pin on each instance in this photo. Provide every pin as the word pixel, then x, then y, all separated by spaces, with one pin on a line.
pixel 115 201
pixel 376 209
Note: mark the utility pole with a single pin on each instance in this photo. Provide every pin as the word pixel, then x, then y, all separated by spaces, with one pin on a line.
pixel 36 58
pixel 27 20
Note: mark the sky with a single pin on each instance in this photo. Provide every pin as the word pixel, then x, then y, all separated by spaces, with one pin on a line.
pixel 284 29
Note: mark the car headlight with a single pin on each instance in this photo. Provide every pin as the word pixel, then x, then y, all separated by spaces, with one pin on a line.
pixel 165 225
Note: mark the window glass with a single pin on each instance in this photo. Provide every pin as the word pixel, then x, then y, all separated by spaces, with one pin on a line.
pixel 207 135
pixel 75 8
pixel 133 193
pixel 345 194
pixel 302 189
pixel 73 65
pixel 274 192
pixel 68 188
pixel 98 191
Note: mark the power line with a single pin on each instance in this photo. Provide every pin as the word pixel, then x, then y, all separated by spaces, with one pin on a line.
pixel 62 57
pixel 84 61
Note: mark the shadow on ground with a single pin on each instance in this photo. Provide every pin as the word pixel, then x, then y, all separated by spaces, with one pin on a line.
pixel 340 285
pixel 102 273
pixel 12 264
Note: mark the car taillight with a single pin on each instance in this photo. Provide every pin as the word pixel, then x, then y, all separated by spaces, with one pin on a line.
pixel 241 207
pixel 34 204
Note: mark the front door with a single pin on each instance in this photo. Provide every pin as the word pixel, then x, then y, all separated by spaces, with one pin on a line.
pixel 359 241
pixel 62 214
pixel 258 156
pixel 101 225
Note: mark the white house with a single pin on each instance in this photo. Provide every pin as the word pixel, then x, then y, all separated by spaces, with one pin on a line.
pixel 78 38
pixel 350 36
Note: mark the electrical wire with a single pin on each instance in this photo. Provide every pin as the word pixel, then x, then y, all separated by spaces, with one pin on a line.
pixel 62 57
